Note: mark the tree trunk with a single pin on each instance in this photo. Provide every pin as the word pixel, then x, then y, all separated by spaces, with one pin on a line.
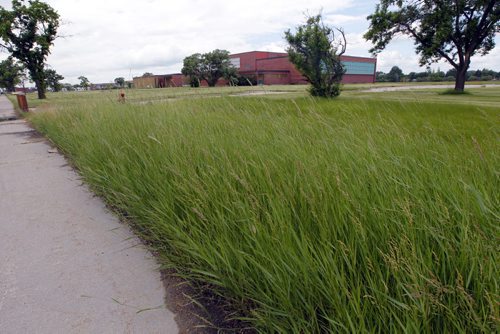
pixel 460 79
pixel 212 82
pixel 38 77
pixel 41 90
pixel 462 74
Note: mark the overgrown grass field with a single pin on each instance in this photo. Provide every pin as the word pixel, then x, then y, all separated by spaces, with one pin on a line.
pixel 369 213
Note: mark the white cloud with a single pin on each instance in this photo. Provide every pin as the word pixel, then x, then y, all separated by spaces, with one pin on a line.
pixel 338 20
pixel 107 39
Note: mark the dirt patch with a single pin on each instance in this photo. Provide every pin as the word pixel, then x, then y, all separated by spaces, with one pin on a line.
pixel 198 310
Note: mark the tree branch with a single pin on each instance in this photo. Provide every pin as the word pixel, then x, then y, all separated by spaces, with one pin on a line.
pixel 344 44
pixel 420 40
pixel 457 42
pixel 477 38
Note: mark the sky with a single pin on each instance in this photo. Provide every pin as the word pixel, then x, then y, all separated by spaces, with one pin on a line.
pixel 103 40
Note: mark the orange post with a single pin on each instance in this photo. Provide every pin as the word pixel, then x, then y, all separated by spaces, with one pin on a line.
pixel 121 96
pixel 22 102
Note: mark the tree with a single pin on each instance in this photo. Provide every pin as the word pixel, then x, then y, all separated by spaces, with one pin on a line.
pixel 315 50
pixel 216 65
pixel 10 74
pixel 209 66
pixel 454 30
pixel 28 31
pixel 84 82
pixel 395 74
pixel 192 68
pixel 52 79
pixel 69 87
pixel 148 74
pixel 120 81
pixel 380 76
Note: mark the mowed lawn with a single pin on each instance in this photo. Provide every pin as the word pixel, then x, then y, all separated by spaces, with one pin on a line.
pixel 369 213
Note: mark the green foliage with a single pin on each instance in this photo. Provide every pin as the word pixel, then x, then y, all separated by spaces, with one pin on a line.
pixel 435 76
pixel 359 216
pixel 28 32
pixel 395 74
pixel 120 81
pixel 10 74
pixel 315 52
pixel 244 80
pixel 194 82
pixel 84 82
pixel 209 66
pixel 192 68
pixel 447 29
pixel 53 79
pixel 148 74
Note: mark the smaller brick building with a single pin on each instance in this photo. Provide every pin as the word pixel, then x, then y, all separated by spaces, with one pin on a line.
pixel 160 81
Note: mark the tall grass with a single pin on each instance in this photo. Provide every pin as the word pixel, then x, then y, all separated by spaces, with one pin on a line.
pixel 309 216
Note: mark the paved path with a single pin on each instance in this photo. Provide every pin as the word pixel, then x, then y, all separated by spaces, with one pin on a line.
pixel 66 264
pixel 6 111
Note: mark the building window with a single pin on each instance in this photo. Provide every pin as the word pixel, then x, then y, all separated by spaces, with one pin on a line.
pixel 236 62
pixel 359 68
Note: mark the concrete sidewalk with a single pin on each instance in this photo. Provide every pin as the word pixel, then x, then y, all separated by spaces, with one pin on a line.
pixel 6 110
pixel 66 264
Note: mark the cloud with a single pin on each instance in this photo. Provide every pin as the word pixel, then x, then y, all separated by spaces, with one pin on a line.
pixel 109 39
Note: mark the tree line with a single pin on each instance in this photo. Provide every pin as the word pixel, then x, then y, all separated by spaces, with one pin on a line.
pixel 13 73
pixel 396 74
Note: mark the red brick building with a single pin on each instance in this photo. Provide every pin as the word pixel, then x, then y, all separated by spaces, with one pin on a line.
pixel 269 68
pixel 274 68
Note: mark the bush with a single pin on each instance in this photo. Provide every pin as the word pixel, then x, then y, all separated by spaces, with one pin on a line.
pixel 315 52
pixel 194 82
pixel 325 91
pixel 242 80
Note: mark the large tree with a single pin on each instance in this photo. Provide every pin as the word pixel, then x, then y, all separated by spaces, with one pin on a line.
pixel 52 79
pixel 315 50
pixel 216 65
pixel 10 74
pixel 453 30
pixel 209 66
pixel 395 74
pixel 28 32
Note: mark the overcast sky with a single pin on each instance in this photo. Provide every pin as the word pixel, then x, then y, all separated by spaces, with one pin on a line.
pixel 125 38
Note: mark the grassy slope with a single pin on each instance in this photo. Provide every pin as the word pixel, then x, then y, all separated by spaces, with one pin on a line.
pixel 368 213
